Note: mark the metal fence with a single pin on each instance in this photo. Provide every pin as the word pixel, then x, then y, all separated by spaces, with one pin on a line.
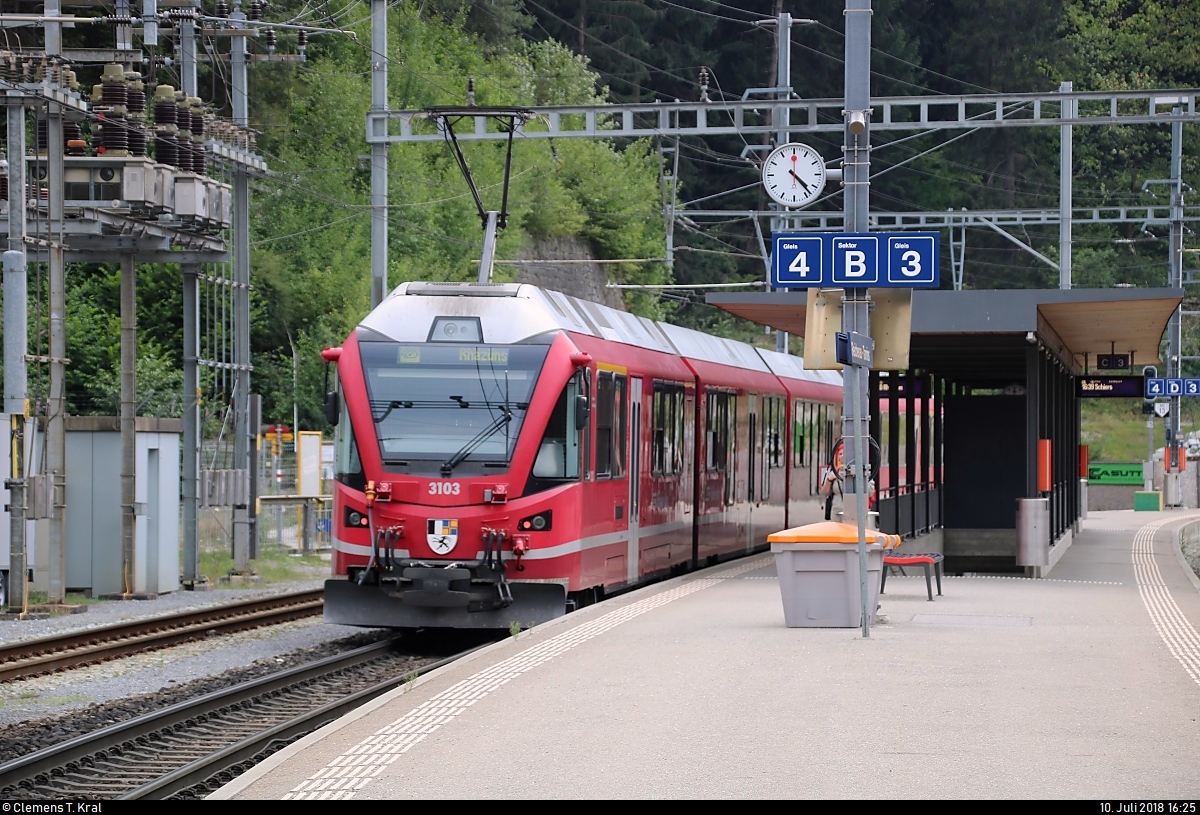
pixel 287 522
pixel 296 523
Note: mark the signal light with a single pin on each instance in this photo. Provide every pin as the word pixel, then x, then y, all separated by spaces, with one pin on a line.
pixel 1149 372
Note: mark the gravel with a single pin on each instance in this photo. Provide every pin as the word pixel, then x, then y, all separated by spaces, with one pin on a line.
pixel 79 713
pixel 158 672
pixel 109 612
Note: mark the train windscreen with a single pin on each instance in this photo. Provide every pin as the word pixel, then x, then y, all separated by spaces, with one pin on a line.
pixel 443 405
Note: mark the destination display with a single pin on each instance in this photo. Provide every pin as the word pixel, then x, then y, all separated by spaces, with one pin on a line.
pixel 1091 387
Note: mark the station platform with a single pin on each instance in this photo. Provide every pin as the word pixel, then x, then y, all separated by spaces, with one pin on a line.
pixel 1082 685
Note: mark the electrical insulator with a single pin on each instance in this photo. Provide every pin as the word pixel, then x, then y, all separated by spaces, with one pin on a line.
pixel 704 85
pixel 470 90
pixel 271 38
pixel 301 38
pixel 222 8
pixel 256 9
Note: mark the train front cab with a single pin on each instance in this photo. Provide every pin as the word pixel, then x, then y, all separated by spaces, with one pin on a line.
pixel 434 526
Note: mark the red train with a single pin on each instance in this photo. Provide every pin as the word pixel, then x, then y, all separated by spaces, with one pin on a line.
pixel 506 453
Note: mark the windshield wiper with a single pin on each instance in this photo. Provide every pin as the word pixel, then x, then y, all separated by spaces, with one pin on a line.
pixel 388 407
pixel 500 421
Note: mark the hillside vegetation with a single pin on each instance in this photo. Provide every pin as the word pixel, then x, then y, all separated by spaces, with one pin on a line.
pixel 311 216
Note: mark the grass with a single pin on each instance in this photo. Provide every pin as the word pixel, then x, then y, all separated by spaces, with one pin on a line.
pixel 274 564
pixel 1115 429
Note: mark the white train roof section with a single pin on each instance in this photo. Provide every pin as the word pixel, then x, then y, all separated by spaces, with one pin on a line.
pixel 513 312
pixel 698 345
pixel 510 312
pixel 786 365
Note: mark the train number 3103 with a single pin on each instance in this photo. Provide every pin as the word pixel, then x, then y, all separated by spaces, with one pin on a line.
pixel 444 488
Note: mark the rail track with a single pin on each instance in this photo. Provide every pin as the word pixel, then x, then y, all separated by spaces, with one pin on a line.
pixel 189 749
pixel 78 648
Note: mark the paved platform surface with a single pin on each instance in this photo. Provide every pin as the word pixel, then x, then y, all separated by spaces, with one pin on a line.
pixel 1083 685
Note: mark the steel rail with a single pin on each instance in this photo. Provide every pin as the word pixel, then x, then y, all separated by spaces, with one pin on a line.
pixel 104 747
pixel 203 769
pixel 71 650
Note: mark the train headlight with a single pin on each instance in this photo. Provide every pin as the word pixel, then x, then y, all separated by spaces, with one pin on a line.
pixel 355 519
pixel 456 329
pixel 536 523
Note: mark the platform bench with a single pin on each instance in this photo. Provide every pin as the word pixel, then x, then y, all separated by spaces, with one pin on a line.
pixel 924 559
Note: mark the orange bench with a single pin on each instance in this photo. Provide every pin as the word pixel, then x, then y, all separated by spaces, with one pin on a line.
pixel 925 560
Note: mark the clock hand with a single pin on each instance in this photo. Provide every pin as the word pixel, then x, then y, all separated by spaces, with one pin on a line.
pixel 801 180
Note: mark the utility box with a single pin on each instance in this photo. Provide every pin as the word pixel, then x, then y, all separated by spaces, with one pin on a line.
pixel 93 501
pixel 191 197
pixel 818 570
pixel 1148 501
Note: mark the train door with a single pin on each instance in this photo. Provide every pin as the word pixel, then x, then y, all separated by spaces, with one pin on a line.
pixel 635 473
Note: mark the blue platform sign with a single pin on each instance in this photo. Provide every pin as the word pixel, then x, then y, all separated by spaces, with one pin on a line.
pixel 851 260
pixel 1173 386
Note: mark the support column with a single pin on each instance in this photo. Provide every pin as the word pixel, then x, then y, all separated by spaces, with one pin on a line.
pixel 128 425
pixel 1065 181
pixel 56 439
pixel 190 454
pixel 783 81
pixel 856 175
pixel 16 338
pixel 1175 281
pixel 1174 327
pixel 243 514
pixel 379 153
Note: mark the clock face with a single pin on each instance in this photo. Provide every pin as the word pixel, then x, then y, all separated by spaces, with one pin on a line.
pixel 794 175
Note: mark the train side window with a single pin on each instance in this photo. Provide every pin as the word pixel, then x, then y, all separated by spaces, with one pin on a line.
pixel 718 424
pixel 667 428
pixel 558 453
pixel 773 425
pixel 610 425
pixel 799 433
pixel 348 468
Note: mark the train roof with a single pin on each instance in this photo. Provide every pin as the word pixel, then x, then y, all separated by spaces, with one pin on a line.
pixel 792 367
pixel 537 310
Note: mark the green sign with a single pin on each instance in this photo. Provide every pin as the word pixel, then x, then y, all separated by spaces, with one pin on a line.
pixel 1119 474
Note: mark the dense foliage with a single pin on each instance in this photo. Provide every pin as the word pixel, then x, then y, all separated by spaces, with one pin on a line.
pixel 311 215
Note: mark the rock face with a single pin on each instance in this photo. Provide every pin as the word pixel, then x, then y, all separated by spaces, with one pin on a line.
pixel 584 280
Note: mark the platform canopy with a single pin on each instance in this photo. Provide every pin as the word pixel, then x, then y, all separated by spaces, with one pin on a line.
pixel 981 334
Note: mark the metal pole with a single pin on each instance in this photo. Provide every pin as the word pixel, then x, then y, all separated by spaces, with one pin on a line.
pixel 783 80
pixel 856 304
pixel 243 514
pixel 16 338
pixel 379 153
pixel 255 468
pixel 488 256
pixel 56 439
pixel 1065 190
pixel 191 425
pixel 128 423
pixel 1175 281
pixel 1148 475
